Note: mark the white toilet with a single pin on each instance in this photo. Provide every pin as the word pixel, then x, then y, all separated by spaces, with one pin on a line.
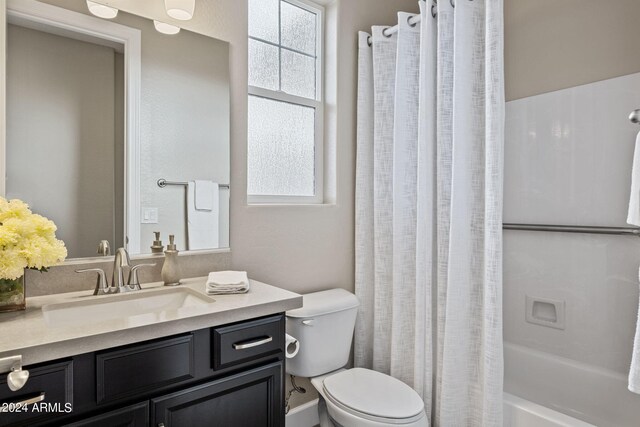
pixel 352 397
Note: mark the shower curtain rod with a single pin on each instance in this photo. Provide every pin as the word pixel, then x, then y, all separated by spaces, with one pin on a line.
pixel 412 20
pixel 389 31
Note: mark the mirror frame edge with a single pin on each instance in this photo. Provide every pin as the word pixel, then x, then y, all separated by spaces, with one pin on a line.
pixel 3 97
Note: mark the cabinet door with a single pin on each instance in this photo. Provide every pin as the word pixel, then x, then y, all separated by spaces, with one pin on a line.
pixel 49 389
pixel 131 416
pixel 250 398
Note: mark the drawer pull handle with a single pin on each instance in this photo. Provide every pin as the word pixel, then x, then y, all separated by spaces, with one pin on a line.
pixel 23 403
pixel 252 343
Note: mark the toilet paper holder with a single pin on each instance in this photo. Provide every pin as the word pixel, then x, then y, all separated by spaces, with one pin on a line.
pixel 291 346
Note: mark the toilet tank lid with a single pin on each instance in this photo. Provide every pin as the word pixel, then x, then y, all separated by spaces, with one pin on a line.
pixel 324 302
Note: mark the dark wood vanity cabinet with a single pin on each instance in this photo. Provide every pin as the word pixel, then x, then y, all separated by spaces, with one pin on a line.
pixel 231 375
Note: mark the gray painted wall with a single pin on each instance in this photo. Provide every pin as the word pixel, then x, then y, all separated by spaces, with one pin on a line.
pixel 551 45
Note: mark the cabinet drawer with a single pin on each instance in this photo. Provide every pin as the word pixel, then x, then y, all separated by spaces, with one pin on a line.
pixel 50 384
pixel 130 416
pixel 142 368
pixel 248 340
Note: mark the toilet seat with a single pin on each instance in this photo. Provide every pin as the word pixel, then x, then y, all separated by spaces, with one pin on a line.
pixel 373 396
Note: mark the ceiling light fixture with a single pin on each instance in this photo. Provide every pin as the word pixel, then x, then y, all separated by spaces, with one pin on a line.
pixel 165 28
pixel 181 10
pixel 102 10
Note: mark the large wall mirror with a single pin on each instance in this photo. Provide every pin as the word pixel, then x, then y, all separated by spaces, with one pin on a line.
pixel 116 130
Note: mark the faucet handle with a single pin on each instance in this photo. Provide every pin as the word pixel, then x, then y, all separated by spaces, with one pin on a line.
pixel 134 282
pixel 103 248
pixel 102 287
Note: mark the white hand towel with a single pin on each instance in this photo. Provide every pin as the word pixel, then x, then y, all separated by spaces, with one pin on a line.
pixel 634 371
pixel 202 225
pixel 633 216
pixel 227 282
pixel 204 195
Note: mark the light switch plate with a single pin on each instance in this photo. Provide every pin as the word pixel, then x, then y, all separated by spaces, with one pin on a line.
pixel 149 216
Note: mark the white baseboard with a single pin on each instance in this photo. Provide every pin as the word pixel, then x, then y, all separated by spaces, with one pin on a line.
pixel 305 415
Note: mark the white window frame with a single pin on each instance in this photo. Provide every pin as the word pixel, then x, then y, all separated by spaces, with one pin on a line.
pixel 317 104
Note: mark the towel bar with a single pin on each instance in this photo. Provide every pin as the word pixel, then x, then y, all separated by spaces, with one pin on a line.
pixel 163 183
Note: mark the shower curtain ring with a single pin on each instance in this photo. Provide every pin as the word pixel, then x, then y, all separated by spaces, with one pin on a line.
pixel 409 21
pixel 384 33
pixel 433 10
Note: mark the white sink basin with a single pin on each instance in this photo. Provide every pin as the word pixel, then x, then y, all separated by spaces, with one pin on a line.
pixel 156 302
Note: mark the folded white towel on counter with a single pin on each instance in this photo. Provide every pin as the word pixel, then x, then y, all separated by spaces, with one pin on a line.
pixel 634 371
pixel 633 215
pixel 227 282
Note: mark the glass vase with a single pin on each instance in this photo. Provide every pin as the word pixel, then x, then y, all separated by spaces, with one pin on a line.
pixel 12 297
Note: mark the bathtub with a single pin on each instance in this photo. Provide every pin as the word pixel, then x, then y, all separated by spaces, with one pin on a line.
pixel 543 390
pixel 519 412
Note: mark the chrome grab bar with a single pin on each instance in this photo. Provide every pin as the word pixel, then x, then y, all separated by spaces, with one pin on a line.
pixel 630 231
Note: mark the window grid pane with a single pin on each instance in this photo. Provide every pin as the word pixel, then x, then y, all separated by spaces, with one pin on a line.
pixel 264 20
pixel 281 148
pixel 264 65
pixel 298 28
pixel 298 74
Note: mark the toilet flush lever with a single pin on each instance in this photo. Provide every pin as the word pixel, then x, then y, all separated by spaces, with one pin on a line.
pixel 309 322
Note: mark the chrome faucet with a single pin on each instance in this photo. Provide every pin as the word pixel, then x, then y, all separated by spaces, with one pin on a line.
pixel 121 263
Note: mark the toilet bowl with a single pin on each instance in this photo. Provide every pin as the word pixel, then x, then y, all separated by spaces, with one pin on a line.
pixel 364 398
pixel 354 397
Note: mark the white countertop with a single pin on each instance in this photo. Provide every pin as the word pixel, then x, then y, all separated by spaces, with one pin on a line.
pixel 29 334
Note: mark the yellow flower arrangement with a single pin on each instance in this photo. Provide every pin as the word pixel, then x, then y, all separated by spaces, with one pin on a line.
pixel 27 240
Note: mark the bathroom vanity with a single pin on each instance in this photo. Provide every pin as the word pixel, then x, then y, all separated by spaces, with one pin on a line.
pixel 221 362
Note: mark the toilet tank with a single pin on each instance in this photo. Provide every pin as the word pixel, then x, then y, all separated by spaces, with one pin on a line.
pixel 324 327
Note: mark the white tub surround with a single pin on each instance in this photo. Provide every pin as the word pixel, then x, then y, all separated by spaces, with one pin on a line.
pixel 568 160
pixel 39 337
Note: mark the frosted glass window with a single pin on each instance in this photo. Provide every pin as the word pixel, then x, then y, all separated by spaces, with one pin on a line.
pixel 264 20
pixel 263 65
pixel 284 144
pixel 298 74
pixel 281 148
pixel 298 28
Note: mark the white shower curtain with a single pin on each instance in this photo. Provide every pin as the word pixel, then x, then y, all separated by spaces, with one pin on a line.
pixel 429 208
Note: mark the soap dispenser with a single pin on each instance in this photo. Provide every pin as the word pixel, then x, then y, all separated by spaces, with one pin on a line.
pixel 157 246
pixel 171 268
